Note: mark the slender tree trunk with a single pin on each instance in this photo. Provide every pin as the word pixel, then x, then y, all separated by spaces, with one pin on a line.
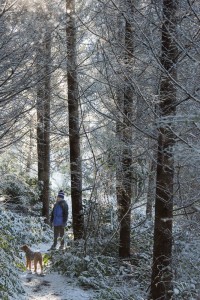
pixel 40 125
pixel 150 192
pixel 126 162
pixel 151 184
pixel 74 134
pixel 30 148
pixel 43 123
pixel 161 281
pixel 120 104
pixel 46 191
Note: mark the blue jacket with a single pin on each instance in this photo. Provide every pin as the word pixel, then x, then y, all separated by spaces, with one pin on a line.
pixel 59 213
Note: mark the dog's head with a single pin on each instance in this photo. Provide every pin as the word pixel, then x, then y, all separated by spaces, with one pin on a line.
pixel 24 248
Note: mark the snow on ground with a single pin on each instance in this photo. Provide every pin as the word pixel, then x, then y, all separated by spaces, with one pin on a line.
pixel 52 286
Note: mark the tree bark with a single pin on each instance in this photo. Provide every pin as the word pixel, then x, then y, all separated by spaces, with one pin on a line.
pixel 30 148
pixel 151 183
pixel 74 126
pixel 43 123
pixel 120 104
pixel 161 280
pixel 125 195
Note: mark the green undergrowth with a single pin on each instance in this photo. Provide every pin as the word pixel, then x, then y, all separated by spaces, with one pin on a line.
pixel 96 264
pixel 110 277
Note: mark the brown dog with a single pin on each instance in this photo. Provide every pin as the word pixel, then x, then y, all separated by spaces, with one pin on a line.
pixel 35 256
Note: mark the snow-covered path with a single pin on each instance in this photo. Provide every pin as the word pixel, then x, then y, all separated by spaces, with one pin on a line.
pixel 52 286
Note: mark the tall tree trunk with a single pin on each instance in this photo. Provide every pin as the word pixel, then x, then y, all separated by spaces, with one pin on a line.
pixel 43 123
pixel 30 148
pixel 120 104
pixel 74 130
pixel 126 162
pixel 161 281
pixel 152 182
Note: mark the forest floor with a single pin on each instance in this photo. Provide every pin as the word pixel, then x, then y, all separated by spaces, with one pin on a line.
pixel 105 277
pixel 51 285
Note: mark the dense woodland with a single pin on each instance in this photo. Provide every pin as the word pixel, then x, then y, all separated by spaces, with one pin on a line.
pixel 106 93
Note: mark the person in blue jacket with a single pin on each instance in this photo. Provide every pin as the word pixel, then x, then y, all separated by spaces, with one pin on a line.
pixel 58 219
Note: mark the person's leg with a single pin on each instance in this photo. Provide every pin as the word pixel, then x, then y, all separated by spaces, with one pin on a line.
pixel 62 232
pixel 56 234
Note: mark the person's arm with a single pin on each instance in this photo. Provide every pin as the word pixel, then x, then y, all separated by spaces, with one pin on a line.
pixel 65 213
pixel 51 217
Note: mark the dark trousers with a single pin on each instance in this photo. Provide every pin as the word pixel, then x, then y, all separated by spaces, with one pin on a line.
pixel 58 232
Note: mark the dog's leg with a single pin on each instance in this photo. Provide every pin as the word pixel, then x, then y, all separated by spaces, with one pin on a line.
pixel 35 264
pixel 29 264
pixel 40 262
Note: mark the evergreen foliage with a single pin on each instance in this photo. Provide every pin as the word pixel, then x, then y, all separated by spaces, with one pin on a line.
pixel 16 230
pixel 95 96
pixel 19 192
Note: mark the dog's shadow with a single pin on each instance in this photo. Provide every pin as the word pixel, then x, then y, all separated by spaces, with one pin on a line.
pixel 38 287
pixel 30 275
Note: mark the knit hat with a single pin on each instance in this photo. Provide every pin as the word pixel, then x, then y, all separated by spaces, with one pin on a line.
pixel 61 194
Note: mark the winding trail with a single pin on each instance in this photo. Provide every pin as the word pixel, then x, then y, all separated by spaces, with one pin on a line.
pixel 52 286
